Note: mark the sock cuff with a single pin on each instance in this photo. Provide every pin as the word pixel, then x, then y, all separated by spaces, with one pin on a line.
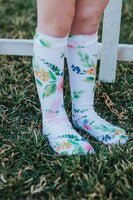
pixel 81 41
pixel 49 41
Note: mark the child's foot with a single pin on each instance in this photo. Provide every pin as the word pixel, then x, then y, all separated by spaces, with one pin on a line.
pixel 101 129
pixel 64 139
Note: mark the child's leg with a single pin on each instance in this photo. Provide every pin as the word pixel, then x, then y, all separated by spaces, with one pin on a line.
pixel 82 60
pixel 48 63
pixel 55 17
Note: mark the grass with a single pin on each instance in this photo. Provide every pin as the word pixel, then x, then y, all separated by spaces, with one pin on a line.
pixel 29 169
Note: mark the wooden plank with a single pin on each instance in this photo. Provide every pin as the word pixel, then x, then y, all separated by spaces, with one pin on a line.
pixel 18 47
pixel 125 52
pixel 25 48
pixel 110 39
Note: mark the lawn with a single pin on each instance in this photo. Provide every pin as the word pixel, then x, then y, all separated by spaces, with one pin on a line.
pixel 29 169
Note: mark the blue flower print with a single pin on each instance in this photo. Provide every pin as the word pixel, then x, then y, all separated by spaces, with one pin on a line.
pixel 76 69
pixel 62 73
pixel 106 138
pixel 82 139
pixel 85 121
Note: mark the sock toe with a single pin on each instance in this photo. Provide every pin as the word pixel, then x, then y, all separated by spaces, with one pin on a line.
pixel 120 139
pixel 106 132
pixel 67 148
pixel 67 141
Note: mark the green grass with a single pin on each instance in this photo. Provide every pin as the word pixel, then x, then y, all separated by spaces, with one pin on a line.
pixel 29 169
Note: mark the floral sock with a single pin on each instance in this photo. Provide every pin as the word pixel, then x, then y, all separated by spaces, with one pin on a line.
pixel 82 60
pixel 48 64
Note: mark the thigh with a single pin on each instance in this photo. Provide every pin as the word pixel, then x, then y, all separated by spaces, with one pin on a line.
pixel 54 14
pixel 90 6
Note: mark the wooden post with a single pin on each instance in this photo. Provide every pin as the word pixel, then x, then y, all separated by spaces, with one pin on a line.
pixel 110 40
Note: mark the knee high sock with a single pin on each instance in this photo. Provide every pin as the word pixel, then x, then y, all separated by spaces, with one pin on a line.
pixel 48 64
pixel 82 61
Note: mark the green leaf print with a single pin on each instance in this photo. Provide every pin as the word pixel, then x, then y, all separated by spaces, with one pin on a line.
pixel 73 137
pixel 45 43
pixel 53 67
pixel 89 79
pixel 52 82
pixel 86 57
pixel 78 150
pixel 80 54
pixel 91 122
pixel 108 128
pixel 62 55
pixel 104 128
pixel 79 46
pixel 33 57
pixel 123 137
pixel 77 95
pixel 71 35
pixel 93 90
pixel 52 75
pixel 95 55
pixel 55 144
pixel 76 110
pixel 39 82
pixel 64 153
pixel 34 63
pixel 49 89
pixel 84 110
pixel 80 111
pixel 74 143
pixel 36 66
pixel 92 63
pixel 86 60
pixel 36 35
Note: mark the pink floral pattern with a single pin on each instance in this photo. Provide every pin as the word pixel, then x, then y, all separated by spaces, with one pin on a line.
pixel 76 45
pixel 60 87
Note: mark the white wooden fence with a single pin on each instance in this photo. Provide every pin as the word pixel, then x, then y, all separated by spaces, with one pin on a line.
pixel 109 50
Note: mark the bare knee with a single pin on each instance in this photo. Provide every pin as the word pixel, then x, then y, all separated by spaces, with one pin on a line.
pixel 87 21
pixel 60 26
pixel 55 20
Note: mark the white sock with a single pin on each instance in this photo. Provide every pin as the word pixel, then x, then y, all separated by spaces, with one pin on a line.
pixel 48 63
pixel 82 61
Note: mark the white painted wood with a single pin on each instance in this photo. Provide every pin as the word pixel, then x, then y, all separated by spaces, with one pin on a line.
pixel 125 52
pixel 110 39
pixel 25 48
pixel 16 47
